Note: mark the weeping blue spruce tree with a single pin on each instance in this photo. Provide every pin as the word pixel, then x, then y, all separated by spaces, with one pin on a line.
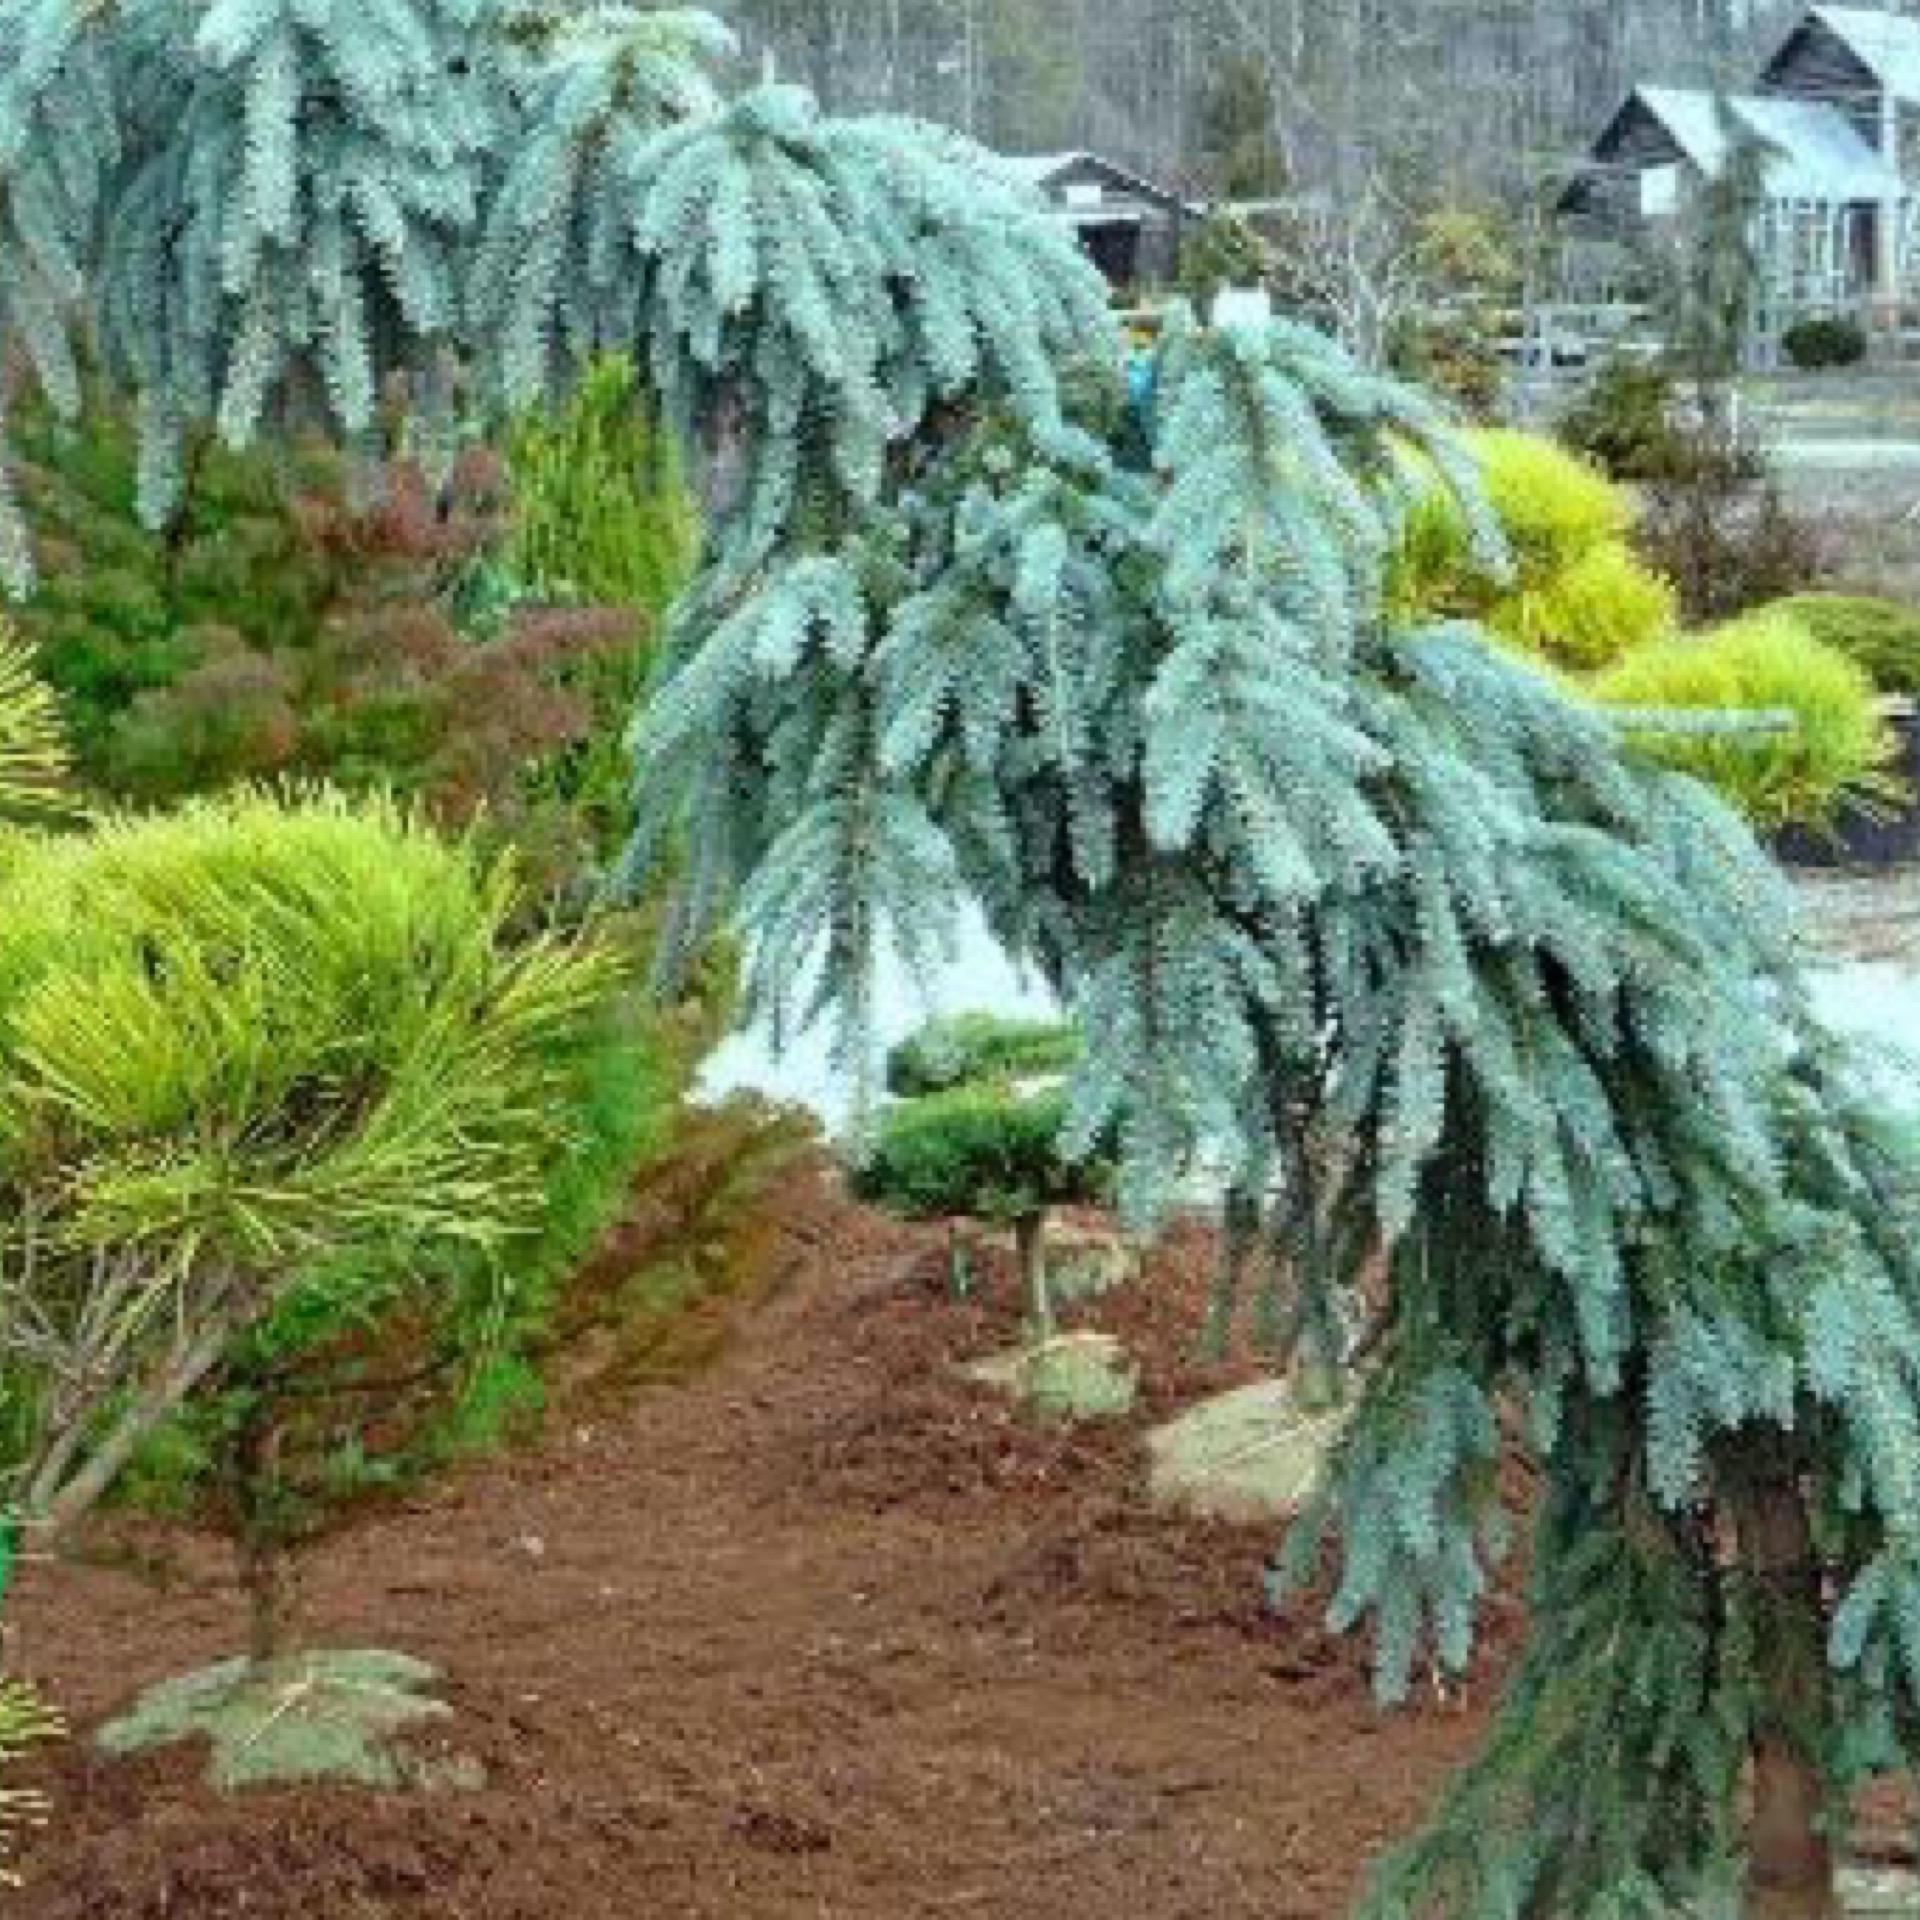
pixel 1498 1038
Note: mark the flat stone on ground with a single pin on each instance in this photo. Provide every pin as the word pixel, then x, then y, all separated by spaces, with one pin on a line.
pixel 1073 1376
pixel 1879 1893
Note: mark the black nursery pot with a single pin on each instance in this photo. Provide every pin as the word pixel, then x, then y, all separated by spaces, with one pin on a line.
pixel 1855 839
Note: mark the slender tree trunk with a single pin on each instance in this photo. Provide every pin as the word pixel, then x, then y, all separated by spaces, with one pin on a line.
pixel 264 1564
pixel 266 1573
pixel 1790 1869
pixel 1030 1241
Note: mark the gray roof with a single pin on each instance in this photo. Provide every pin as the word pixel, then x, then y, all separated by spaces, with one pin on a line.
pixel 1814 151
pixel 1041 169
pixel 1889 43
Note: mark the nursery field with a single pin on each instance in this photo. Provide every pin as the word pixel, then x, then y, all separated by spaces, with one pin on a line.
pixel 825 1630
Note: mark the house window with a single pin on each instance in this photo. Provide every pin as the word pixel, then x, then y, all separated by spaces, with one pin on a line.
pixel 1660 193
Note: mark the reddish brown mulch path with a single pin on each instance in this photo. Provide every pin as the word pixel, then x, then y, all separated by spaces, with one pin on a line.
pixel 824 1633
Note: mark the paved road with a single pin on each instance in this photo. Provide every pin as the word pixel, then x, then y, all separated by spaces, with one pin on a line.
pixel 1848 456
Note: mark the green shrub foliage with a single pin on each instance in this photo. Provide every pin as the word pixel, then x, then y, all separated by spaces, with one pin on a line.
pixel 1350 906
pixel 600 512
pixel 968 1047
pixel 277 629
pixel 1831 753
pixel 600 519
pixel 379 1364
pixel 990 1152
pixel 1881 637
pixel 981 1150
pixel 1830 341
pixel 1624 422
pixel 243 1045
pixel 1224 251
pixel 1713 521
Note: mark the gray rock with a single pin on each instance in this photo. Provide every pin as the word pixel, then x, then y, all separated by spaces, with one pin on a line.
pixel 1073 1376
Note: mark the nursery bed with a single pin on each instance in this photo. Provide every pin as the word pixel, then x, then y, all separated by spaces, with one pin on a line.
pixel 826 1632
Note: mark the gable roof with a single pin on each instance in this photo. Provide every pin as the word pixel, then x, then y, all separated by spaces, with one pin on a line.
pixel 1814 152
pixel 1886 44
pixel 1043 169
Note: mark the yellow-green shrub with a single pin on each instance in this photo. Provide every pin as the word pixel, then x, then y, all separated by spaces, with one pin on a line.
pixel 1573 593
pixel 1881 637
pixel 251 1043
pixel 1589 614
pixel 1834 754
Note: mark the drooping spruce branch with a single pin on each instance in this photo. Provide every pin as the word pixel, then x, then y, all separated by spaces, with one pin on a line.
pixel 1336 895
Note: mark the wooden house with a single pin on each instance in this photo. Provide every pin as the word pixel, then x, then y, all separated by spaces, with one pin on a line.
pixel 1835 116
pixel 1131 228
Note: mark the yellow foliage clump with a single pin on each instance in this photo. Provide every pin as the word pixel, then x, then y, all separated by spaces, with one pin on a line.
pixel 1572 592
pixel 1816 742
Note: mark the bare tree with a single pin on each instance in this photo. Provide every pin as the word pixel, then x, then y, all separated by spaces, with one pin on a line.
pixel 1476 101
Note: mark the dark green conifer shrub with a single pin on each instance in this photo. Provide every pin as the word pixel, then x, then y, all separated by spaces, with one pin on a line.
pixel 1830 340
pixel 967 1047
pixel 1224 252
pixel 988 1152
pixel 1624 422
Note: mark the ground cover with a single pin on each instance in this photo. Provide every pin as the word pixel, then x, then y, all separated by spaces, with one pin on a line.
pixel 827 1629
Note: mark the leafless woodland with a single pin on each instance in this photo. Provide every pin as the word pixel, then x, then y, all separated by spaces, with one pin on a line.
pixel 1477 101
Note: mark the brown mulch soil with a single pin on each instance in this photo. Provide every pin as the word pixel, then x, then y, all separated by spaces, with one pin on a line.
pixel 826 1631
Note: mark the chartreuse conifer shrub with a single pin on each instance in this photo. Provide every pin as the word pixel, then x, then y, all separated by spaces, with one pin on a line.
pixel 1568 589
pixel 24 1724
pixel 381 1362
pixel 32 758
pixel 33 747
pixel 1828 747
pixel 1882 637
pixel 601 518
pixel 1347 903
pixel 266 1063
